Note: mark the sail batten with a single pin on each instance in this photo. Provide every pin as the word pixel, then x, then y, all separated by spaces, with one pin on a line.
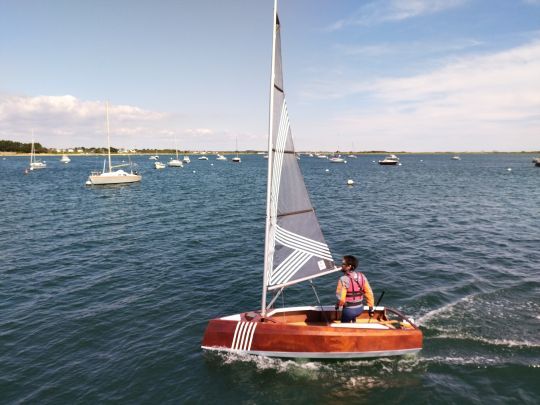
pixel 295 249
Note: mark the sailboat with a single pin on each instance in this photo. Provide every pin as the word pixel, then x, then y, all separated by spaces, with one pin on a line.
pixel 175 162
pixel 295 251
pixel 65 158
pixel 35 163
pixel 236 159
pixel 111 176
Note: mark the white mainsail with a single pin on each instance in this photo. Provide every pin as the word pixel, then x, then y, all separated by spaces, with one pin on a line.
pixel 295 249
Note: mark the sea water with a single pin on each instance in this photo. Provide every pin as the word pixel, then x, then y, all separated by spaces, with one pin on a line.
pixel 105 292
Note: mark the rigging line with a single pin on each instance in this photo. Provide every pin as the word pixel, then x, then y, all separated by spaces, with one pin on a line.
pixel 319 301
pixel 274 298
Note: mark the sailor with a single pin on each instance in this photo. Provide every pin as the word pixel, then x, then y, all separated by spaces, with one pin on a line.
pixel 351 289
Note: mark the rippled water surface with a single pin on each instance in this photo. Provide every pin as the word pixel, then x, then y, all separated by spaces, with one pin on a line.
pixel 105 292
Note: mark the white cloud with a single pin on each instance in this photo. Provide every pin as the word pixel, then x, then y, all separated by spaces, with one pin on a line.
pixel 485 102
pixel 411 47
pixel 60 121
pixel 199 131
pixel 381 11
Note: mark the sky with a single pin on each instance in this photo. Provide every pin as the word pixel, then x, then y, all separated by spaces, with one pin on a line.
pixel 395 75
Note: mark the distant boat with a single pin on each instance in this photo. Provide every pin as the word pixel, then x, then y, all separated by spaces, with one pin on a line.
pixel 159 165
pixel 35 164
pixel 220 157
pixel 456 158
pixel 186 159
pixel 175 162
pixel 65 159
pixel 236 159
pixel 153 157
pixel 390 160
pixel 536 162
pixel 112 176
pixel 322 156
pixel 337 159
pixel 203 158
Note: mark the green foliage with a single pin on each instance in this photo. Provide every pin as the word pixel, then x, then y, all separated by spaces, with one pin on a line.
pixel 19 147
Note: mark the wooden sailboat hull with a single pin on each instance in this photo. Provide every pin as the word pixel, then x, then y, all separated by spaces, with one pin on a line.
pixel 301 333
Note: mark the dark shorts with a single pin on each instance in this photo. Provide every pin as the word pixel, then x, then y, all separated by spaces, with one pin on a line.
pixel 349 314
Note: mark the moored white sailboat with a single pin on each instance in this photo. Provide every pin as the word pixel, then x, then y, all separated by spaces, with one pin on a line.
pixel 35 163
pixel 236 159
pixel 295 251
pixel 110 176
pixel 175 162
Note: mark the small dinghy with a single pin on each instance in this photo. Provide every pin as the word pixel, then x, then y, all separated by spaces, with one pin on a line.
pixel 295 251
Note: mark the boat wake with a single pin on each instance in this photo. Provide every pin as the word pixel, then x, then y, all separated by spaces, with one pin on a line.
pixel 363 372
pixel 493 342
pixel 487 318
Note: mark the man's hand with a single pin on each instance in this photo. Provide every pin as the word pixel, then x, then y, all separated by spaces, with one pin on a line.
pixel 371 312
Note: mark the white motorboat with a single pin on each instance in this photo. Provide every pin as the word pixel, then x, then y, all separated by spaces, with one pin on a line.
pixel 456 158
pixel 390 160
pixel 203 158
pixel 35 164
pixel 220 157
pixel 65 159
pixel 159 165
pixel 322 156
pixel 111 176
pixel 187 159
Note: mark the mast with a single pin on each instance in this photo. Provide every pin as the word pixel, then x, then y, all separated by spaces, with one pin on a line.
pixel 268 246
pixel 108 138
pixel 32 148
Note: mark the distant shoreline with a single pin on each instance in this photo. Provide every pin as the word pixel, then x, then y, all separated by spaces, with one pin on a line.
pixel 260 152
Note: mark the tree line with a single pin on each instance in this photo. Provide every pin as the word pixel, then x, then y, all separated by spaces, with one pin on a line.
pixel 19 147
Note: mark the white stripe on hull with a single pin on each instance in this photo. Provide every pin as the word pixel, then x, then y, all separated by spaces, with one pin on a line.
pixel 243 336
